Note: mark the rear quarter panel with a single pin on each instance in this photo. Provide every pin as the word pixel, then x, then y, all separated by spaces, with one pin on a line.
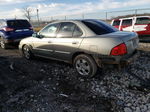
pixel 99 45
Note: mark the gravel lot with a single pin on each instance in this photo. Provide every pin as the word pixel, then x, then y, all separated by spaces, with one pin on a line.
pixel 44 85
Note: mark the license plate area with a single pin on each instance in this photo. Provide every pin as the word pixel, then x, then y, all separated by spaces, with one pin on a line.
pixel 22 30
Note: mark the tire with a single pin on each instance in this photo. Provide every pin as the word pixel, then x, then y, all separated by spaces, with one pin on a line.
pixel 27 52
pixel 3 44
pixel 85 65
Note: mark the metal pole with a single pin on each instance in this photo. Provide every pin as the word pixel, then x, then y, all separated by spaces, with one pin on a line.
pixel 83 16
pixel 106 15
pixel 38 17
pixel 136 12
pixel 51 18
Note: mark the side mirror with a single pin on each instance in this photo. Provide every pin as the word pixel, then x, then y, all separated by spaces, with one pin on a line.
pixel 34 35
pixel 37 35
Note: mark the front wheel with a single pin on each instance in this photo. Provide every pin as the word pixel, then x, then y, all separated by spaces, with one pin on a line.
pixel 27 52
pixel 85 65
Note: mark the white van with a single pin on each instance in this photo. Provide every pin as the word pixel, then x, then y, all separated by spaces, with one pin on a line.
pixel 138 24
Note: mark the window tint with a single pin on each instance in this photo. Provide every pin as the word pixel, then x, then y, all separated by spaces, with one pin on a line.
pixel 18 24
pixel 116 23
pixel 66 30
pixel 50 30
pixel 77 32
pixel 144 20
pixel 127 22
pixel 99 27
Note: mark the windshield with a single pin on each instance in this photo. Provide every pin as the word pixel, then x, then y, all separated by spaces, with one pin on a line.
pixel 99 27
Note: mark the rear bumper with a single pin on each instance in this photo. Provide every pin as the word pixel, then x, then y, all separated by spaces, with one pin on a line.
pixel 130 59
pixel 119 61
pixel 11 41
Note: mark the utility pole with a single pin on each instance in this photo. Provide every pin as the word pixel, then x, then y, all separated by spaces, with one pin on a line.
pixel 136 12
pixel 82 15
pixel 106 16
pixel 15 17
pixel 38 17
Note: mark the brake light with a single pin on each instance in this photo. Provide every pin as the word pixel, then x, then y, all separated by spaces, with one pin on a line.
pixel 8 29
pixel 31 28
pixel 119 50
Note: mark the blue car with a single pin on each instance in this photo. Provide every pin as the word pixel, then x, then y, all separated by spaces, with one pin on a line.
pixel 13 30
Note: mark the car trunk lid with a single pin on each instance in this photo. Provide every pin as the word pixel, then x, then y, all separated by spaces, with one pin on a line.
pixel 129 38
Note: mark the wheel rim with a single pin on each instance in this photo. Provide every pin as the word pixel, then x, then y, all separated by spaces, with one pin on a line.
pixel 2 44
pixel 26 52
pixel 83 67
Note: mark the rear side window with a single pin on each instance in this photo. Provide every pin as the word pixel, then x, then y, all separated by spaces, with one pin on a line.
pixel 99 27
pixel 116 23
pixel 18 24
pixel 66 30
pixel 127 22
pixel 77 32
pixel 144 20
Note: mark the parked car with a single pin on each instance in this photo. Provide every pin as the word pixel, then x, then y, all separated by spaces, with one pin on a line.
pixel 138 24
pixel 87 44
pixel 13 30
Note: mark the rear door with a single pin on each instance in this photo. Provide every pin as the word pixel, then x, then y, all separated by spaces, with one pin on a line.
pixel 127 25
pixel 67 41
pixel 116 23
pixel 142 25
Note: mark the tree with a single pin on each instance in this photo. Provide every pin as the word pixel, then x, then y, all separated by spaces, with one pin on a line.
pixel 28 13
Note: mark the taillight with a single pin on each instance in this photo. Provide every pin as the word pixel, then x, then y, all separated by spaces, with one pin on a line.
pixel 120 49
pixel 8 29
pixel 31 28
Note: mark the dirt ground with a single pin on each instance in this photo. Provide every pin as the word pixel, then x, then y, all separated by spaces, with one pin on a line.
pixel 42 85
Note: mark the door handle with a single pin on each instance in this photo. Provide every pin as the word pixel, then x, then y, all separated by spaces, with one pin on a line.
pixel 75 42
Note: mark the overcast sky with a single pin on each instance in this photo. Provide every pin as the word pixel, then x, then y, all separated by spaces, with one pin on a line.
pixel 12 8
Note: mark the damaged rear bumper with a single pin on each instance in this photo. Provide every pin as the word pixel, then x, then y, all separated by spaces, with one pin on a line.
pixel 119 61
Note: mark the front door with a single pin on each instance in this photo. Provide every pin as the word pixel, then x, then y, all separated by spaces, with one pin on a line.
pixel 44 45
pixel 67 41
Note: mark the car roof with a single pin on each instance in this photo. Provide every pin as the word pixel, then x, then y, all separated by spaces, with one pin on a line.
pixel 73 20
pixel 131 17
pixel 10 19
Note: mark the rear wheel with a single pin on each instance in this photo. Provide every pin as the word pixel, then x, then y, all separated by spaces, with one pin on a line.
pixel 85 65
pixel 27 52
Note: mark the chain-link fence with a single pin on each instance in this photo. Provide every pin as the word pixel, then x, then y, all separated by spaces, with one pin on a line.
pixel 105 16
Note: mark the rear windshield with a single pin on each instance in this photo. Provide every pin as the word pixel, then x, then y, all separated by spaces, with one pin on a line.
pixel 18 24
pixel 116 23
pixel 144 20
pixel 99 27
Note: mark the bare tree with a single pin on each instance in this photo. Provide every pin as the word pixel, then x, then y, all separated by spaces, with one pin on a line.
pixel 28 13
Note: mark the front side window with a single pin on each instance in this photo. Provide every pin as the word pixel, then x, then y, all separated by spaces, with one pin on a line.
pixel 66 30
pixel 127 22
pixel 99 27
pixel 50 30
pixel 143 20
